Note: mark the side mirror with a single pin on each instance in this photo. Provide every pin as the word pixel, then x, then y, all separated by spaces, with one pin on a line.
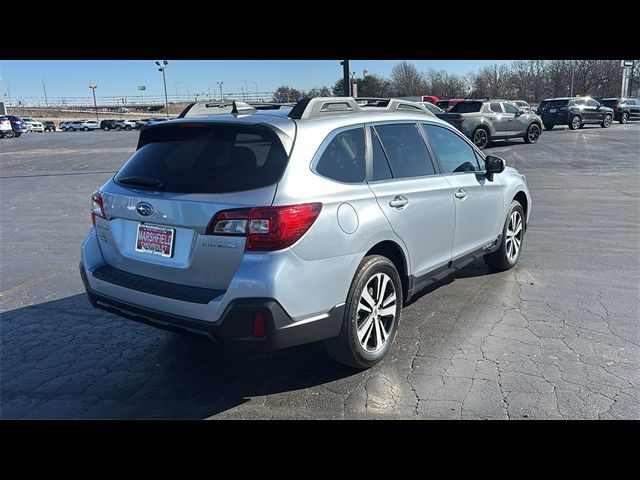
pixel 522 110
pixel 493 164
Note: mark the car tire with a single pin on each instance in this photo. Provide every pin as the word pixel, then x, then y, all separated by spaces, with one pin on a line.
pixel 106 129
pixel 365 339
pixel 10 134
pixel 480 137
pixel 86 129
pixel 624 118
pixel 508 253
pixel 548 127
pixel 575 123
pixel 607 120
pixel 127 127
pixel 533 133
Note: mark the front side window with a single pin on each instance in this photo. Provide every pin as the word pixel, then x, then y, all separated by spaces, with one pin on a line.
pixel 592 103
pixel 343 158
pixel 405 148
pixel 510 108
pixel 454 153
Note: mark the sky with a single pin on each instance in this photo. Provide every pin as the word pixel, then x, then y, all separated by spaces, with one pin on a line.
pixel 65 78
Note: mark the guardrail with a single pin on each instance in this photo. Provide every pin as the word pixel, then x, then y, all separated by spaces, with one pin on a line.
pixel 132 101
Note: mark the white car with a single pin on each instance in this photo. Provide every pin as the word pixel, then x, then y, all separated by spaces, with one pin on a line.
pixel 84 125
pixel 33 125
pixel 5 127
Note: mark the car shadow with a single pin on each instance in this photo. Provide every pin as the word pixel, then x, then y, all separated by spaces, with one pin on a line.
pixel 65 359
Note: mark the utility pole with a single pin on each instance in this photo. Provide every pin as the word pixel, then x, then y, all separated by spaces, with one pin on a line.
pixel 346 91
pixel 220 85
pixel 162 67
pixel 256 85
pixel 46 102
pixel 93 87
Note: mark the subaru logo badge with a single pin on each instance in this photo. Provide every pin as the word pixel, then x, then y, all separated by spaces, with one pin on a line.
pixel 144 209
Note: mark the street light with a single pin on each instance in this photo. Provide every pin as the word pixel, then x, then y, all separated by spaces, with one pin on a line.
pixel 220 85
pixel 161 68
pixel 93 87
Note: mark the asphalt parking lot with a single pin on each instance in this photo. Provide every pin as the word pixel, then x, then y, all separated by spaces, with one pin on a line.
pixel 557 337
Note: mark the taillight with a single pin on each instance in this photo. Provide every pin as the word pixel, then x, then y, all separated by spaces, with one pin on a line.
pixel 266 228
pixel 97 207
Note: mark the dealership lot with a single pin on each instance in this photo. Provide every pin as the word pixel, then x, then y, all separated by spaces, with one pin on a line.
pixel 558 336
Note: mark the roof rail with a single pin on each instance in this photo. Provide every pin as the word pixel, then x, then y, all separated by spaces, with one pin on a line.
pixel 308 108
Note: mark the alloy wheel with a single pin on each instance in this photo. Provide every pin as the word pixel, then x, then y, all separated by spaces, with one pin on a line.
pixel 534 133
pixel 513 238
pixel 480 138
pixel 575 123
pixel 376 312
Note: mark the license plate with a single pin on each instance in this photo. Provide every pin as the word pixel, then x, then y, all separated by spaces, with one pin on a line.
pixel 552 110
pixel 155 240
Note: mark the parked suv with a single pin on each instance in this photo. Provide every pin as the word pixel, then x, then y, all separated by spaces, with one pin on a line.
pixel 5 127
pixel 107 125
pixel 124 124
pixel 575 112
pixel 49 126
pixel 267 229
pixel 33 125
pixel 18 125
pixel 624 109
pixel 484 121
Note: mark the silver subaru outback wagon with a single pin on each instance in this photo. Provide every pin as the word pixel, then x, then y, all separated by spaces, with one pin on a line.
pixel 268 229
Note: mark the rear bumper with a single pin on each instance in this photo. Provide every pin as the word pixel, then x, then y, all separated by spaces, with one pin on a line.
pixel 235 325
pixel 556 118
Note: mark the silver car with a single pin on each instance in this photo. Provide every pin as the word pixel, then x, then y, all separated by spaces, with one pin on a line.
pixel 268 229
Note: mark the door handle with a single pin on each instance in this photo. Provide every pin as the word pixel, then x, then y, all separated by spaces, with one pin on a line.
pixel 461 194
pixel 399 201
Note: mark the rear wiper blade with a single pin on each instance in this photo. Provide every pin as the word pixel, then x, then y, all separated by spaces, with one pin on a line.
pixel 142 181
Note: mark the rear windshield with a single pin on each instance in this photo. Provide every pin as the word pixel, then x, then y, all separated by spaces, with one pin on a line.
pixel 557 103
pixel 610 103
pixel 204 158
pixel 466 107
pixel 444 103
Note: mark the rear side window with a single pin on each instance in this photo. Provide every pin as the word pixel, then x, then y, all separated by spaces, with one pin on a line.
pixel 405 148
pixel 495 107
pixel 381 169
pixel 343 158
pixel 204 158
pixel 466 107
pixel 454 153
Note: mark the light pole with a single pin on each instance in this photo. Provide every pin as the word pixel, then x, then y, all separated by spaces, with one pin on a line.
pixel 246 89
pixel 346 91
pixel 220 85
pixel 93 87
pixel 162 67
pixel 572 70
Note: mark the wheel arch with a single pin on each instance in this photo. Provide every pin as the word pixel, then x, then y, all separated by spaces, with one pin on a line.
pixel 393 251
pixel 524 201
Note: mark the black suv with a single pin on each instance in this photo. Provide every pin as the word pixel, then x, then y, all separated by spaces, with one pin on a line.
pixel 49 126
pixel 624 109
pixel 574 112
pixel 108 124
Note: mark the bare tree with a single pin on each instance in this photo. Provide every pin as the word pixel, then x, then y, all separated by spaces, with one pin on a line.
pixel 407 80
pixel 443 84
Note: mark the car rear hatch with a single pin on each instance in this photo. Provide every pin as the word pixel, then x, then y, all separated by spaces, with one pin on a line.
pixel 555 109
pixel 159 206
pixel 456 115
